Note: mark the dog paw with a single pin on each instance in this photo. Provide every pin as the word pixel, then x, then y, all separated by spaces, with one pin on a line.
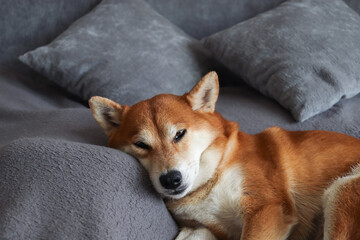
pixel 195 234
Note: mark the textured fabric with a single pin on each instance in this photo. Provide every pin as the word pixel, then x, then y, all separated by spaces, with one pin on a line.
pixel 25 25
pixel 31 108
pixel 255 112
pixel 122 50
pixel 52 189
pixel 67 188
pixel 354 4
pixel 305 54
pixel 201 18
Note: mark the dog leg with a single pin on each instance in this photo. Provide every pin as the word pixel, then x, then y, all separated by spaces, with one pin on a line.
pixel 342 208
pixel 195 234
pixel 268 223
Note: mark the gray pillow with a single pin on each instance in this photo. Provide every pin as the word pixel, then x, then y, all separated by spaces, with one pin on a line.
pixel 122 50
pixel 304 53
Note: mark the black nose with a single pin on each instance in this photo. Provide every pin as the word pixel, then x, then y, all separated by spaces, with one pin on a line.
pixel 171 180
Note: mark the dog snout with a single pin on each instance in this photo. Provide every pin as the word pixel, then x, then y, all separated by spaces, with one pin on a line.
pixel 171 180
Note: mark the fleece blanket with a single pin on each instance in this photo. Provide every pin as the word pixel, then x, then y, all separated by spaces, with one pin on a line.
pixel 58 180
pixel 66 190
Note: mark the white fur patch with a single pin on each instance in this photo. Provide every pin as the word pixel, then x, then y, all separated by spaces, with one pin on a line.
pixel 146 136
pixel 195 234
pixel 222 205
pixel 331 197
pixel 188 159
pixel 209 160
pixel 171 131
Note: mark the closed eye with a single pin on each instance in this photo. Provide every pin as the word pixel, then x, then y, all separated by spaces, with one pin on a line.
pixel 179 135
pixel 142 145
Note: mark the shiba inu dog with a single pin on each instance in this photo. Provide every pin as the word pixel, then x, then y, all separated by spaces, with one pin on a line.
pixel 221 183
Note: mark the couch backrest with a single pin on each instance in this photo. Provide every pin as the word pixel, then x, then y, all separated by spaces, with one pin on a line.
pixel 201 18
pixel 26 24
pixel 354 4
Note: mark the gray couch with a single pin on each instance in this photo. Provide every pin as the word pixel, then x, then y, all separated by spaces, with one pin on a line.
pixel 58 180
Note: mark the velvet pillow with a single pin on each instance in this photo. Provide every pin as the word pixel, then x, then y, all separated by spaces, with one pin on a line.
pixel 122 50
pixel 304 53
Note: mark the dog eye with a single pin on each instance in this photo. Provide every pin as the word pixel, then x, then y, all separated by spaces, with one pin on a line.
pixel 179 135
pixel 142 145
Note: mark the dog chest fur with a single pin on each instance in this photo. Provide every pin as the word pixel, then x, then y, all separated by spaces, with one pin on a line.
pixel 219 209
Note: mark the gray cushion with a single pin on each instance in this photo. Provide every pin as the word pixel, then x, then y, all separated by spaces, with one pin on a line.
pixel 122 50
pixel 305 54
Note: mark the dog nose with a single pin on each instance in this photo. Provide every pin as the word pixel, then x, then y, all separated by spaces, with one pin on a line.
pixel 171 180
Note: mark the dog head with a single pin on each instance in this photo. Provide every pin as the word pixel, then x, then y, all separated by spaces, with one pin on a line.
pixel 168 134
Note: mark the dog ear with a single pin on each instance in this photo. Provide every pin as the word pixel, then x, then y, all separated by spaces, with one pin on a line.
pixel 204 94
pixel 107 113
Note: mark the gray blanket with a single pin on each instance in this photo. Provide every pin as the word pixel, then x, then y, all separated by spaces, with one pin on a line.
pixel 53 189
pixel 56 182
